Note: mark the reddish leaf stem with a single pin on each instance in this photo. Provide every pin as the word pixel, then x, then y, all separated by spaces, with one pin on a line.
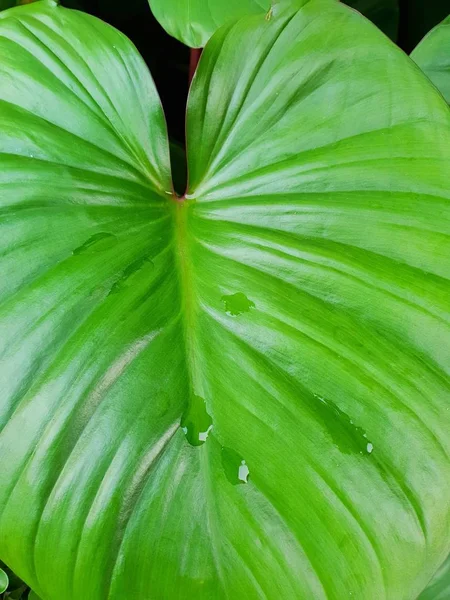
pixel 195 57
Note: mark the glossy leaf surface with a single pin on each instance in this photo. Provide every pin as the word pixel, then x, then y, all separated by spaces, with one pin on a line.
pixel 433 57
pixel 439 588
pixel 193 22
pixel 241 394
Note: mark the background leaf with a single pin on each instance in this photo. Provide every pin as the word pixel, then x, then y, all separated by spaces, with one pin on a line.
pixel 4 581
pixel 14 581
pixel 433 57
pixel 193 22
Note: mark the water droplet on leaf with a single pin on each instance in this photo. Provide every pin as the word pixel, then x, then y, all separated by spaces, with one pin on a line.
pixel 348 437
pixel 236 304
pixel 244 472
pixel 235 468
pixel 196 423
pixel 126 278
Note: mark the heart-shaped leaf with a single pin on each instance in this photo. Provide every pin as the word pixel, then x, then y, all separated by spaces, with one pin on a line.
pixel 433 57
pixel 241 393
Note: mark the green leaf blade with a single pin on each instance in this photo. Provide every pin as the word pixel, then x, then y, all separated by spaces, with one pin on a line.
pixel 303 182
pixel 85 228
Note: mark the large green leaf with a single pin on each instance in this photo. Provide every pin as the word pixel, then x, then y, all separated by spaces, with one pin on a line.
pixel 193 22
pixel 439 588
pixel 433 57
pixel 242 393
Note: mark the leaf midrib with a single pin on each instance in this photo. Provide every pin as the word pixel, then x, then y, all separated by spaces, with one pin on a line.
pixel 186 286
